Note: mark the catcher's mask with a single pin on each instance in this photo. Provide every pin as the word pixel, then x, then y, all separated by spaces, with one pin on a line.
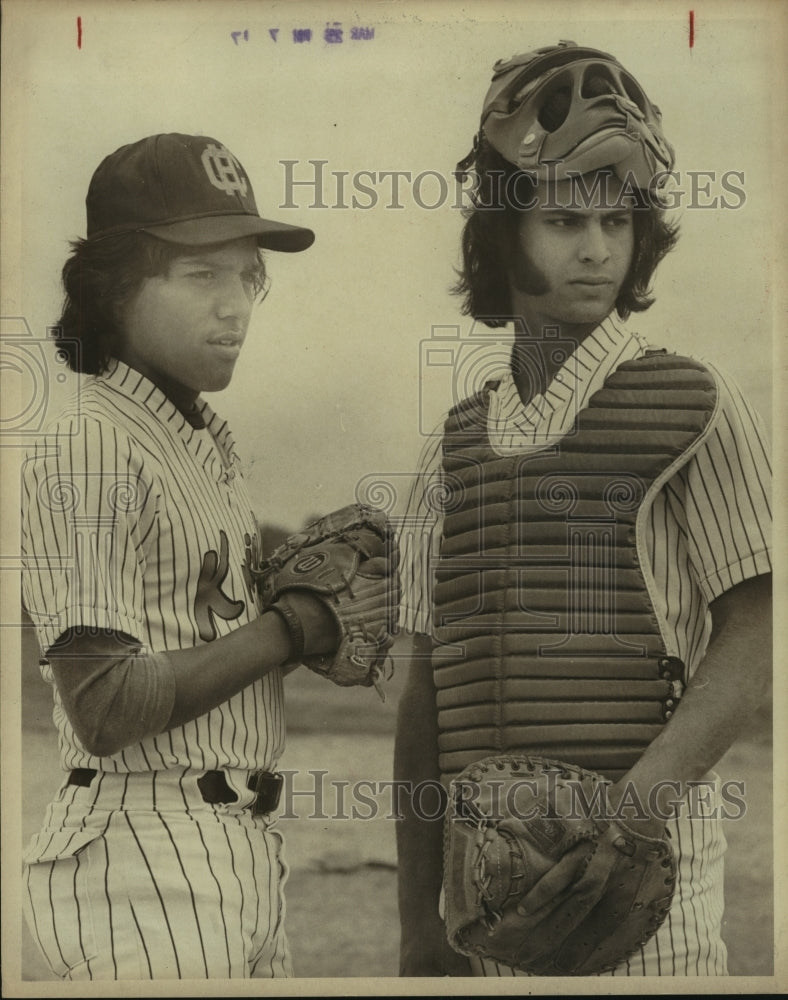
pixel 566 110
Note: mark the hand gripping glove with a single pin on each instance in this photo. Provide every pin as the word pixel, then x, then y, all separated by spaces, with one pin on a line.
pixel 538 877
pixel 348 559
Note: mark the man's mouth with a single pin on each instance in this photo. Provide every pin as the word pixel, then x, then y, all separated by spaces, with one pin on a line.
pixel 227 340
pixel 227 346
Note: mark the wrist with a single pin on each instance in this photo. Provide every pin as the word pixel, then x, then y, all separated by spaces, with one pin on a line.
pixel 274 638
pixel 294 629
pixel 311 626
pixel 636 807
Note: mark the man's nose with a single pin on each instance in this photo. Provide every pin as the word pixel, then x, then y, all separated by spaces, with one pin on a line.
pixel 594 245
pixel 235 299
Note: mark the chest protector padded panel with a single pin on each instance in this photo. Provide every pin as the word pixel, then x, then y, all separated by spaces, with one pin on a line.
pixel 547 639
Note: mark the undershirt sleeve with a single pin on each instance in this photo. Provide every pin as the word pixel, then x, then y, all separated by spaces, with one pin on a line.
pixel 113 701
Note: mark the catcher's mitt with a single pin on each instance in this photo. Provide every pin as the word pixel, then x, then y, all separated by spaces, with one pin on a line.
pixel 536 877
pixel 349 560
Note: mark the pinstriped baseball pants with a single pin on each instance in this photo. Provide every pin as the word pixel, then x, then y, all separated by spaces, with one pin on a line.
pixel 137 877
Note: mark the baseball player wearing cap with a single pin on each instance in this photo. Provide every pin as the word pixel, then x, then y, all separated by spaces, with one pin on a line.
pixel 585 552
pixel 158 857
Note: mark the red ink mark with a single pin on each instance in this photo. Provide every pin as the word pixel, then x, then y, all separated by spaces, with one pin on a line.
pixel 79 32
pixel 691 28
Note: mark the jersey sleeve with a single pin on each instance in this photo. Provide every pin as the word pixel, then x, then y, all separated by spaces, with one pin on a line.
pixel 88 515
pixel 419 524
pixel 727 496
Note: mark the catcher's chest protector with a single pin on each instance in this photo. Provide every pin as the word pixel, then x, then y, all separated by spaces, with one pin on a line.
pixel 547 636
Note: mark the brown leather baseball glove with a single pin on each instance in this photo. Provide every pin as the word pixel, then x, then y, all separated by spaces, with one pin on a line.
pixel 348 559
pixel 538 875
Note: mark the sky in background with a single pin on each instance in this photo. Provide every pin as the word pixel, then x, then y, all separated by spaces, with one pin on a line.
pixel 336 386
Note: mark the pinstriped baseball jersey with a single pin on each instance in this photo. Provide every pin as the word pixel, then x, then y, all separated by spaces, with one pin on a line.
pixel 137 521
pixel 708 529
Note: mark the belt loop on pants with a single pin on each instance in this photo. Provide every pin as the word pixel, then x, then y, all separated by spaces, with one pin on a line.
pixel 267 786
pixel 81 776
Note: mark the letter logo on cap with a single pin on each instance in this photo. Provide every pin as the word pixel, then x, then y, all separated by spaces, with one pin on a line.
pixel 223 170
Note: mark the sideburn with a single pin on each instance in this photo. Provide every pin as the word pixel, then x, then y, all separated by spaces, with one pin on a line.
pixel 523 272
pixel 525 275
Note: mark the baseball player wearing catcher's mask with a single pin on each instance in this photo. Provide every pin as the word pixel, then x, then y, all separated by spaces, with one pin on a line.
pixel 585 566
pixel 164 633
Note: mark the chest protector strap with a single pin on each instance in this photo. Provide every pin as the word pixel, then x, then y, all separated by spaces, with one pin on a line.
pixel 547 637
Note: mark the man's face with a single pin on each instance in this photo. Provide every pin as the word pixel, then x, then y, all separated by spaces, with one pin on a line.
pixel 575 248
pixel 184 329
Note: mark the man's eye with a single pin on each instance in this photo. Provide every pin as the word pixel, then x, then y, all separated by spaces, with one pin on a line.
pixel 618 220
pixel 563 221
pixel 203 275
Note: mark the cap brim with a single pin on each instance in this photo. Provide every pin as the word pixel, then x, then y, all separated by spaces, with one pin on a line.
pixel 222 228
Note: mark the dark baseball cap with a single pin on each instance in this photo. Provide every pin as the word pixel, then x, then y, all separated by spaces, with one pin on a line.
pixel 187 189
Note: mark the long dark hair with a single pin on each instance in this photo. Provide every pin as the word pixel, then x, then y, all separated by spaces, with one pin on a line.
pixel 490 232
pixel 100 278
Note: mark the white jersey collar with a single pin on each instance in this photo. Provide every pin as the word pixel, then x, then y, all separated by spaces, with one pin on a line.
pixel 139 388
pixel 514 427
